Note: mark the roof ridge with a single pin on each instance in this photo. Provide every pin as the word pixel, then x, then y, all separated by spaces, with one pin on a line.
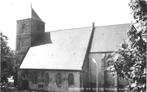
pixel 113 25
pixel 70 29
pixel 87 27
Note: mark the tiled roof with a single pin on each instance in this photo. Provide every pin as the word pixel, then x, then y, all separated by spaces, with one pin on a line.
pixel 109 38
pixel 66 51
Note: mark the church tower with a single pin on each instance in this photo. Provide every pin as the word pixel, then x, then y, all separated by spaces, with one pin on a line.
pixel 28 31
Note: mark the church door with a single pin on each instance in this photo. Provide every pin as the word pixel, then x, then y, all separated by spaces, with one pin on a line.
pixel 25 85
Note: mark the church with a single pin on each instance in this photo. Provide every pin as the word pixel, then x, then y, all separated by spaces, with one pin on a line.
pixel 70 60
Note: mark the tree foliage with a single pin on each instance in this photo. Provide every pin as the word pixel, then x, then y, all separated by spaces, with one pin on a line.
pixel 130 60
pixel 7 59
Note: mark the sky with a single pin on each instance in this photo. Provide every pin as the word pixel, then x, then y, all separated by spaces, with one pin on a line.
pixel 62 14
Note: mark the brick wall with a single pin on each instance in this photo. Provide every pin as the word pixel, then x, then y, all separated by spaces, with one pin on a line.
pixel 47 80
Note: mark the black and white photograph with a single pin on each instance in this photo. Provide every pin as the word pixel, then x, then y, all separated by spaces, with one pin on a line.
pixel 73 45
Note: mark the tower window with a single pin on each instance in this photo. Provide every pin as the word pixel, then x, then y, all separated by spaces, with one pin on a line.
pixel 70 79
pixel 23 27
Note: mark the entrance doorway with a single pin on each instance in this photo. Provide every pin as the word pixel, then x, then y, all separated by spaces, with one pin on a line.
pixel 25 85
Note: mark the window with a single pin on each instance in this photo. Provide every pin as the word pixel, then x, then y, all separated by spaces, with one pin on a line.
pixel 23 27
pixel 33 77
pixel 70 79
pixel 24 74
pixel 42 76
pixel 46 78
pixel 58 80
pixel 23 43
pixel 40 85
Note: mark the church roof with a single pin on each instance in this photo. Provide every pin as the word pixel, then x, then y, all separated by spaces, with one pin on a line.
pixel 109 38
pixel 66 51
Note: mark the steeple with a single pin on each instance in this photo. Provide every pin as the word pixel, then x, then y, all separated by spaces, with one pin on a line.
pixel 34 15
pixel 28 31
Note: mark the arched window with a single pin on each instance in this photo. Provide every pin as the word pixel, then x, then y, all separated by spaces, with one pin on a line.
pixel 23 27
pixel 70 79
pixel 24 74
pixel 34 77
pixel 42 76
pixel 58 80
pixel 46 78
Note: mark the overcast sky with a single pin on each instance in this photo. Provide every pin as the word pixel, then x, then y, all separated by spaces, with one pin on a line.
pixel 63 14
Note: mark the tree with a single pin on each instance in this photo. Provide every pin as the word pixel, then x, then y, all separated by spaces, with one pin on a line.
pixel 130 61
pixel 7 59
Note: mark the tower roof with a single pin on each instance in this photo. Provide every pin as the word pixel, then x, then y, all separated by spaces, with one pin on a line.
pixel 34 15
